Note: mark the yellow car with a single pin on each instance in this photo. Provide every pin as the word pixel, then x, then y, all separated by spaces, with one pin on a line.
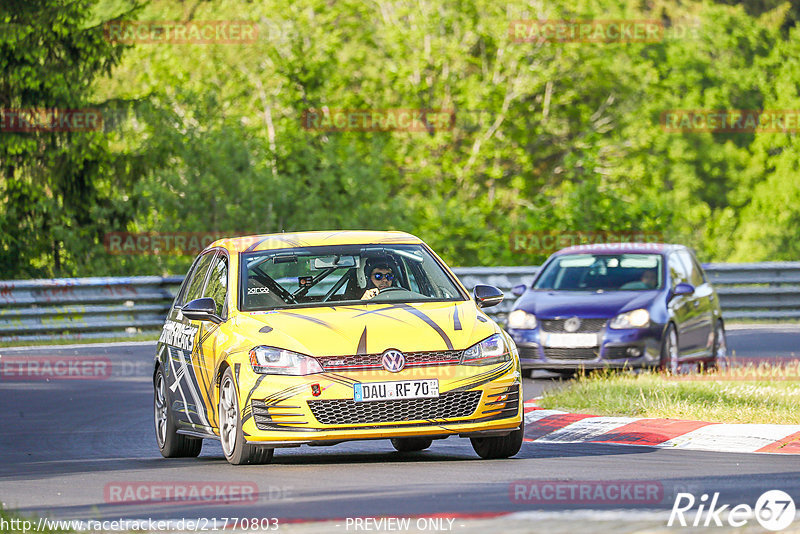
pixel 316 338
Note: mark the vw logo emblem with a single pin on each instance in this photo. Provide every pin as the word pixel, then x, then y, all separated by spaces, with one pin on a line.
pixel 393 360
pixel 572 324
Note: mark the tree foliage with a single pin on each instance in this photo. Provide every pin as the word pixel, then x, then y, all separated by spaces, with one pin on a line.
pixel 547 136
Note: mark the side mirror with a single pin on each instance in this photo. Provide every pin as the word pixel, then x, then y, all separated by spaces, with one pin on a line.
pixel 517 291
pixel 487 296
pixel 202 309
pixel 683 289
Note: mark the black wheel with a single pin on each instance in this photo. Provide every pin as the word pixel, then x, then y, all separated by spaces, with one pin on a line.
pixel 411 444
pixel 669 351
pixel 171 444
pixel 566 374
pixel 719 355
pixel 501 446
pixel 237 450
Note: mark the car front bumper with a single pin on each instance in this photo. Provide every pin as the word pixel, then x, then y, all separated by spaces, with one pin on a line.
pixel 615 349
pixel 284 411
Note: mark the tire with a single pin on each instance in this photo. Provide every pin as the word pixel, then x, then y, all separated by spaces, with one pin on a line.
pixel 237 450
pixel 565 374
pixel 501 446
pixel 171 444
pixel 669 351
pixel 411 444
pixel 719 355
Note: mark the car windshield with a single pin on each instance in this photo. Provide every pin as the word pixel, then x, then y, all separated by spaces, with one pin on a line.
pixel 310 276
pixel 607 272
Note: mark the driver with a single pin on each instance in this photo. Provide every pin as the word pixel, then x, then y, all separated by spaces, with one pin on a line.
pixel 380 277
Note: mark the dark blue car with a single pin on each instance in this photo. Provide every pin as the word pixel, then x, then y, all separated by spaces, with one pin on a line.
pixel 619 305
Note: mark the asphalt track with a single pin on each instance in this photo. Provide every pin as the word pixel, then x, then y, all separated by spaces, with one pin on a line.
pixel 70 449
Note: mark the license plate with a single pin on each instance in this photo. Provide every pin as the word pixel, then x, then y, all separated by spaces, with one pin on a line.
pixel 404 389
pixel 571 341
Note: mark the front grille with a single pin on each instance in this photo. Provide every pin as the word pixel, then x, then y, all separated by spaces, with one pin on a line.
pixel 528 353
pixel 348 412
pixel 587 325
pixel 554 353
pixel 373 361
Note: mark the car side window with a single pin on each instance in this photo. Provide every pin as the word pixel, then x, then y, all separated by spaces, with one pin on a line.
pixel 198 277
pixel 217 287
pixel 677 271
pixel 695 273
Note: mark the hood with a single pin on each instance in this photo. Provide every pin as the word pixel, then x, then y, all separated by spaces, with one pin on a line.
pixel 368 329
pixel 555 304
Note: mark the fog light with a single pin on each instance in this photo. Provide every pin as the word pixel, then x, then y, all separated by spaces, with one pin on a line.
pixel 634 352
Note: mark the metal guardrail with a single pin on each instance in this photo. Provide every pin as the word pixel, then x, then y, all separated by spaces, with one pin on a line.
pixel 85 308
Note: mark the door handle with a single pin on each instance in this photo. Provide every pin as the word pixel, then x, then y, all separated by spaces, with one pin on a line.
pixel 696 303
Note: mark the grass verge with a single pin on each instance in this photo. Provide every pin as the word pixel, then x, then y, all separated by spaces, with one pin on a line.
pixel 79 341
pixel 695 397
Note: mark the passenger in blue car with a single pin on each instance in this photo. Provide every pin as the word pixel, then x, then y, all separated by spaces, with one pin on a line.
pixel 649 280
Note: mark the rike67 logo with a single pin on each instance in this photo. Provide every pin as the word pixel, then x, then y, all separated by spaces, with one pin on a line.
pixel 774 510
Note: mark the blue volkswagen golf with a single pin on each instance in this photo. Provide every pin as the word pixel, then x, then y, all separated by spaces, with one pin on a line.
pixel 619 305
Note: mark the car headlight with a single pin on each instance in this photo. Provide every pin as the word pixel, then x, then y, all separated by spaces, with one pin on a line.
pixel 491 350
pixel 522 320
pixel 633 319
pixel 269 360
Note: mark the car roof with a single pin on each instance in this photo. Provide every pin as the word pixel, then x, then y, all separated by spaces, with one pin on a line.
pixel 621 248
pixel 253 243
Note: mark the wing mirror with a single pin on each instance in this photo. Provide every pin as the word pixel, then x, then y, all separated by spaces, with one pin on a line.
pixel 202 309
pixel 487 296
pixel 683 289
pixel 517 291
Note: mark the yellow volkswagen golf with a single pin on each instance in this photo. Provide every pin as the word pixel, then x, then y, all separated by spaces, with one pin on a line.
pixel 316 338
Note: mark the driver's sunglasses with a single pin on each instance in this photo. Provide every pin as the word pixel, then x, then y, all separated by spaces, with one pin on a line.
pixel 378 276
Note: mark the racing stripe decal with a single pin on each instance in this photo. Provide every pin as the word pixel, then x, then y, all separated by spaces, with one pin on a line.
pixel 307 318
pixel 339 379
pixel 378 312
pixel 481 379
pixel 430 322
pixel 456 320
pixel 253 389
pixel 362 344
pixel 413 311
